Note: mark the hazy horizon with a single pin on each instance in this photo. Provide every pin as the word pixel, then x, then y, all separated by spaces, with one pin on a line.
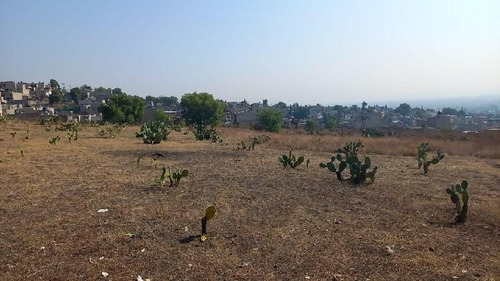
pixel 325 52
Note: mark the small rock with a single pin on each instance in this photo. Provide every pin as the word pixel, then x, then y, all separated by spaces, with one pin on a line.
pixel 432 249
pixel 244 264
pixel 390 249
pixel 102 210
pixel 143 250
pixel 139 278
pixel 336 221
pixel 105 274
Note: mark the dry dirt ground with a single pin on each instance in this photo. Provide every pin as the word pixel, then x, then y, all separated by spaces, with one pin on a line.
pixel 271 223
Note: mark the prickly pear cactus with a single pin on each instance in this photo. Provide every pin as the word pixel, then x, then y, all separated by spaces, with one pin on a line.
pixel 425 159
pixel 175 177
pixel 462 207
pixel 164 175
pixel 291 160
pixel 342 164
pixel 350 149
pixel 359 170
pixel 209 214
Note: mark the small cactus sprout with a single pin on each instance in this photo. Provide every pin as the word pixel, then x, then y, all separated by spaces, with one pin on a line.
pixel 462 207
pixel 242 145
pixel 27 135
pixel 139 161
pixel 209 213
pixel 175 177
pixel 307 163
pixel 164 175
pixel 13 134
pixel 21 150
pixel 255 141
pixel 291 160
pixel 54 140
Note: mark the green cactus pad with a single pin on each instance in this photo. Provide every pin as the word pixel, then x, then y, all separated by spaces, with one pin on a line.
pixel 464 184
pixel 210 213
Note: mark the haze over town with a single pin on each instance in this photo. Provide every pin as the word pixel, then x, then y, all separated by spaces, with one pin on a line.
pixel 327 52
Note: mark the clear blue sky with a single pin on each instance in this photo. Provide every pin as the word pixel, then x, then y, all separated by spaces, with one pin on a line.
pixel 307 51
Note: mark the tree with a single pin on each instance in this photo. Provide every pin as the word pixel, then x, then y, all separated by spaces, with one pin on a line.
pixel 75 94
pixel 300 112
pixel 330 122
pixel 312 127
pixel 168 101
pixel 56 96
pixel 160 115
pixel 123 108
pixel 270 119
pixel 117 91
pixel 101 89
pixel 265 102
pixel 281 105
pixel 403 109
pixel 151 98
pixel 202 109
pixel 54 84
pixel 340 112
pixel 449 111
pixel 461 112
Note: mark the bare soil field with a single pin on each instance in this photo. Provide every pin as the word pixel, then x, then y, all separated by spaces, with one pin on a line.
pixel 271 223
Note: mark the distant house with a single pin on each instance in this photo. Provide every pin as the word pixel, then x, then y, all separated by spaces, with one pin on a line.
pixel 372 120
pixel 446 122
pixel 247 117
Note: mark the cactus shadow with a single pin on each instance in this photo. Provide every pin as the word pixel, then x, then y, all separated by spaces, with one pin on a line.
pixel 189 239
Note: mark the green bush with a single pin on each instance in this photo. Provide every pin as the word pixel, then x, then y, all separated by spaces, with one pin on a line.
pixel 207 133
pixel 312 127
pixel 153 132
pixel 270 119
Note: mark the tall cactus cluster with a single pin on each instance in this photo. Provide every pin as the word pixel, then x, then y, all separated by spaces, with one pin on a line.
pixel 153 132
pixel 462 207
pixel 425 159
pixel 359 170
